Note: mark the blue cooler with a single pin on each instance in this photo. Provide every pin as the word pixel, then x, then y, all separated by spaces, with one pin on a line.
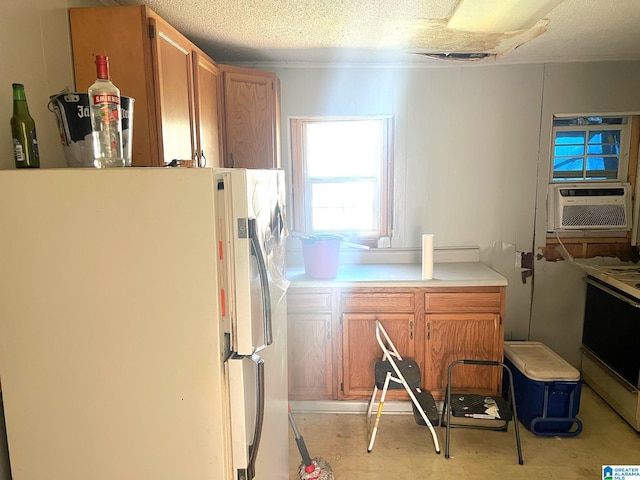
pixel 547 389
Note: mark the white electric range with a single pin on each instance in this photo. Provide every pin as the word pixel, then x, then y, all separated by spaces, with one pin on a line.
pixel 610 337
pixel 625 278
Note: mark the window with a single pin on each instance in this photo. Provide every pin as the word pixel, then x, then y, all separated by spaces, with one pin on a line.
pixel 590 148
pixel 605 151
pixel 341 173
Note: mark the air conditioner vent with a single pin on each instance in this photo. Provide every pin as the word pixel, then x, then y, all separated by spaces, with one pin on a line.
pixel 594 215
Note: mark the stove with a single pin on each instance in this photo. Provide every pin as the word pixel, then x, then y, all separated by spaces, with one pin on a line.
pixel 625 278
pixel 610 337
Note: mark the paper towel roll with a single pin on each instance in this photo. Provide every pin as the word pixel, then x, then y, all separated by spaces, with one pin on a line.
pixel 427 256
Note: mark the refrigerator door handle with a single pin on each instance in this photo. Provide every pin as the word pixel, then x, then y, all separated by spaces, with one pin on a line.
pixel 257 433
pixel 264 281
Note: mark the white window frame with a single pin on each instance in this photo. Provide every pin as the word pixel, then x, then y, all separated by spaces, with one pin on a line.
pixel 301 199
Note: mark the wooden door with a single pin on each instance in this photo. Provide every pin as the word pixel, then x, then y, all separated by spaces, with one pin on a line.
pixel 174 91
pixel 250 123
pixel 458 336
pixel 361 349
pixel 206 76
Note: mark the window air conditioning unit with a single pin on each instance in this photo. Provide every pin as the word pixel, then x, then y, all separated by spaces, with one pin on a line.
pixel 589 207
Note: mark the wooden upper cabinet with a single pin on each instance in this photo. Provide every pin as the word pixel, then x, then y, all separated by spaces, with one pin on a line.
pixel 251 118
pixel 174 91
pixel 206 80
pixel 121 33
pixel 162 70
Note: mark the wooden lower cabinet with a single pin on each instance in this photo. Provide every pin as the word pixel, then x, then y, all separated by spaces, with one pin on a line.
pixel 309 343
pixel 361 349
pixel 310 346
pixel 457 336
pixel 333 347
pixel 463 324
pixel 359 310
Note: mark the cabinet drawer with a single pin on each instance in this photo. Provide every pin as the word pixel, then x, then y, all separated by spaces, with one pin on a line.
pixel 309 302
pixel 378 302
pixel 463 302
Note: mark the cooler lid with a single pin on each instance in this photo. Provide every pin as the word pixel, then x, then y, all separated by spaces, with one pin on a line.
pixel 538 362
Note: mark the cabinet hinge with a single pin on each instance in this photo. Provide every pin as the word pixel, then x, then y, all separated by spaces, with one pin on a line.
pixel 342 387
pixel 152 31
pixel 500 319
pixel 340 319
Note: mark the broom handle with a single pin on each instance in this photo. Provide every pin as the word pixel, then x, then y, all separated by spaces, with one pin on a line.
pixel 306 458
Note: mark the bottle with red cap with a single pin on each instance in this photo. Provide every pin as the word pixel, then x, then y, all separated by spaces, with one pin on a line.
pixel 106 119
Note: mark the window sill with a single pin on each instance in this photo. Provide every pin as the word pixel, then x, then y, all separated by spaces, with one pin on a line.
pixel 589 247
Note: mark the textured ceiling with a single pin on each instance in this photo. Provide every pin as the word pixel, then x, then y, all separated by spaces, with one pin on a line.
pixel 394 31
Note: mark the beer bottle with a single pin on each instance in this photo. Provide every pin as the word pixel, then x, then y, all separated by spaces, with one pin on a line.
pixel 23 130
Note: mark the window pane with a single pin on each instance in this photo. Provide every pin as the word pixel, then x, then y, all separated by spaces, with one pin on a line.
pixel 568 150
pixel 568 162
pixel 602 168
pixel 327 195
pixel 348 206
pixel 564 168
pixel 343 148
pixel 570 138
pixel 607 142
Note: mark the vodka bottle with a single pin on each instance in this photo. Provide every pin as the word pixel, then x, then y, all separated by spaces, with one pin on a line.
pixel 106 119
pixel 23 130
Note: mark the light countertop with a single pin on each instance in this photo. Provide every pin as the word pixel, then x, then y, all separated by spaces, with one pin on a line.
pixel 454 274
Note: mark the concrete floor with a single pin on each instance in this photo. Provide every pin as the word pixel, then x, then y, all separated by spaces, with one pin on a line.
pixel 404 450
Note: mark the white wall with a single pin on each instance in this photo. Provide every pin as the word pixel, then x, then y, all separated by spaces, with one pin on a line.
pixel 35 49
pixel 471 162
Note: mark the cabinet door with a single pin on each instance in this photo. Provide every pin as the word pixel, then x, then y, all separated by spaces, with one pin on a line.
pixel 174 92
pixel 123 34
pixel 310 354
pixel 361 349
pixel 250 123
pixel 458 336
pixel 206 77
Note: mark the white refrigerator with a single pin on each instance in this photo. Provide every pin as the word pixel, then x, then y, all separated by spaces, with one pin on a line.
pixel 143 323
